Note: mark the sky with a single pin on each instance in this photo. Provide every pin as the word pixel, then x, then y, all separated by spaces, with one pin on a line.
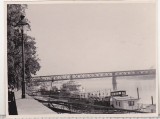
pixel 83 38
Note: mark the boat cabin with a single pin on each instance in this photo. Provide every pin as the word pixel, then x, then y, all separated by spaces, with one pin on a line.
pixel 124 102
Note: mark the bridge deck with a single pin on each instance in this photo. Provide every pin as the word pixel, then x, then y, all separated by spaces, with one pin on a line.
pixel 93 75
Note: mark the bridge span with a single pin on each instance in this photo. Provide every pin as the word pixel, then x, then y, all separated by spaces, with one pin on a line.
pixel 94 75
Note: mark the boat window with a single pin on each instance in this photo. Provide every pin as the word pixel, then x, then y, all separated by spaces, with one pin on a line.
pixel 123 93
pixel 119 104
pixel 131 103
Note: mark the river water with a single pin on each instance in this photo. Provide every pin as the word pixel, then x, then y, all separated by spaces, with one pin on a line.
pixel 145 84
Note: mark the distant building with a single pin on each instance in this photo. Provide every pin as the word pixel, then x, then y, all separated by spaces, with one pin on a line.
pixel 72 88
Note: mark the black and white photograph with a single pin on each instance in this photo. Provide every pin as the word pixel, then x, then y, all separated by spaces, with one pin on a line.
pixel 97 57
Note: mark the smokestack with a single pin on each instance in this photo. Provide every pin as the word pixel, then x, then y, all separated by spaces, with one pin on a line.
pixel 138 93
pixel 152 99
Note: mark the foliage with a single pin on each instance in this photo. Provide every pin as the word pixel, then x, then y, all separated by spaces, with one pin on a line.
pixel 14 47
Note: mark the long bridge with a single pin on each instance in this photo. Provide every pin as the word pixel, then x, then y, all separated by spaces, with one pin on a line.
pixel 114 74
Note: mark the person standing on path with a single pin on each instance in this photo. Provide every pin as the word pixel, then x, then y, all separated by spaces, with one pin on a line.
pixel 11 101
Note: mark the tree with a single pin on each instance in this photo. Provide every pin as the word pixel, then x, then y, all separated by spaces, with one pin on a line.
pixel 14 48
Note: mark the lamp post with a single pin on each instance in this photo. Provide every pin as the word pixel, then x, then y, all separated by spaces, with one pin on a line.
pixel 21 24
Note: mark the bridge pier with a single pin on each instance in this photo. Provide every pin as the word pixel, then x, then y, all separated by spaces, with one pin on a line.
pixel 71 77
pixel 114 83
